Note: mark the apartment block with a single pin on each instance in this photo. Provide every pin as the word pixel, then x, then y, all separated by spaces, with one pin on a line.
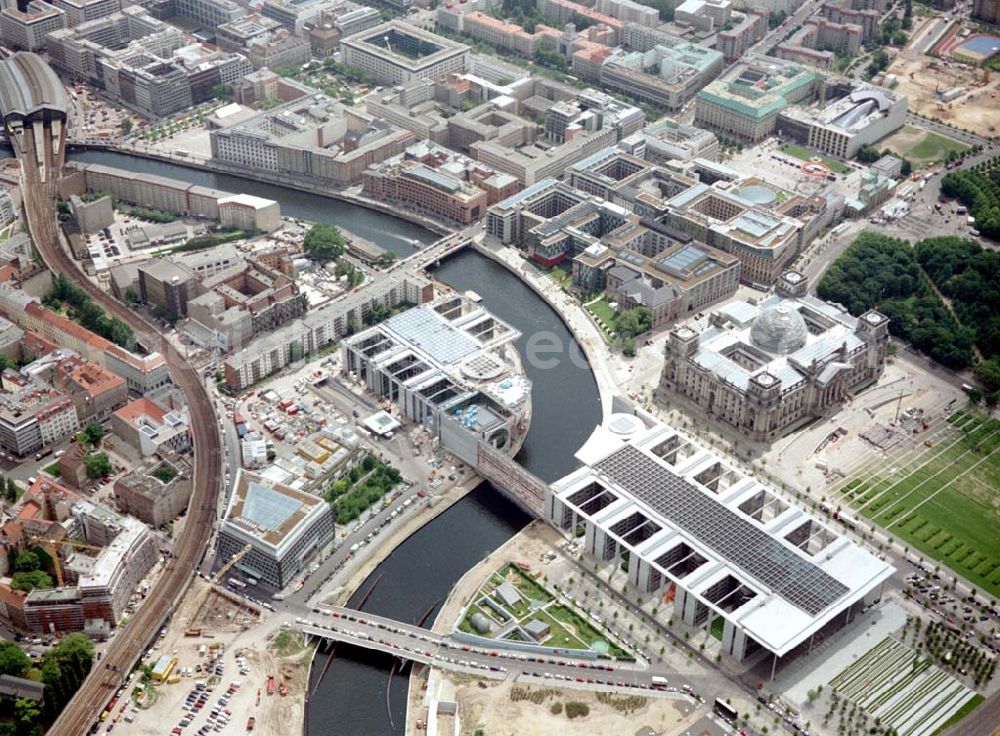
pixel 736 41
pixel 322 327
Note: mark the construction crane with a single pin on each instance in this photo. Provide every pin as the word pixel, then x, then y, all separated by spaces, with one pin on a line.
pixel 50 547
pixel 220 573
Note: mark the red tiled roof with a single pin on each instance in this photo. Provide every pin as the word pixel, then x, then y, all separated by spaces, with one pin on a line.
pixel 141 407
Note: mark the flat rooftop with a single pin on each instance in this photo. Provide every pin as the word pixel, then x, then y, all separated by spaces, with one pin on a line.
pixel 405 45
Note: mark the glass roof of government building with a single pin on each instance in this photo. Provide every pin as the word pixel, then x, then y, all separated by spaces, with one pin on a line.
pixel 736 539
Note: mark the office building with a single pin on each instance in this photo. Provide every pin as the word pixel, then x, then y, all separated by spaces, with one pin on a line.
pixel 711 541
pixel 450 366
pixel 284 528
pixel 747 106
pixel 412 106
pixel 26 30
pixel 143 63
pixel 237 34
pixel 438 183
pixel 854 114
pixel 397 52
pixel 314 139
pixel 552 222
pixel 667 140
pixel 647 265
pixel 766 369
pixel 666 76
pixel 705 15
pixel 84 11
pixel 277 50
pixel 209 14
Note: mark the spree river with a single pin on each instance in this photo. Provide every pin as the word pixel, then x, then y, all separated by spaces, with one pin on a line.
pixel 419 574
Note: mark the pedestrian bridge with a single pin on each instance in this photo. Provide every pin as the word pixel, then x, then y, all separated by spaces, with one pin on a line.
pixel 526 488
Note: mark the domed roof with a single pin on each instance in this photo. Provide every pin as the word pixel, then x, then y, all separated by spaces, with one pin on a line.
pixel 779 329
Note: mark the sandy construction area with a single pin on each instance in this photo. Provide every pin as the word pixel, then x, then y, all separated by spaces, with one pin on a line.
pixel 504 709
pixel 975 109
pixel 238 634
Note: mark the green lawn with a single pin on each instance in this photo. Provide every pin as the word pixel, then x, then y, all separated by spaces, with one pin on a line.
pixel 718 624
pixel 52 469
pixel 528 586
pixel 955 484
pixel 936 146
pixel 603 311
pixel 922 147
pixel 558 635
pixel 584 630
pixel 804 154
pixel 961 713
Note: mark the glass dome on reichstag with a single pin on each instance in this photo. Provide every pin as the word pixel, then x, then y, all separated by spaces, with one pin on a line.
pixel 779 329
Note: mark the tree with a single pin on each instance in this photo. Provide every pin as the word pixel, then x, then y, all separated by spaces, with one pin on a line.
pixel 98 465
pixel 93 431
pixel 28 581
pixel 635 321
pixel 12 490
pixel 324 242
pixel 26 561
pixel 27 713
pixel 131 296
pixel 126 125
pixel 222 92
pixel 13 660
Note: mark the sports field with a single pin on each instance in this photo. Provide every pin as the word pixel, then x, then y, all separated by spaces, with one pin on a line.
pixel 944 499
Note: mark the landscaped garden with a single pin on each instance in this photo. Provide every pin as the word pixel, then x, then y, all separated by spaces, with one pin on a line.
pixel 514 606
pixel 901 690
pixel 804 154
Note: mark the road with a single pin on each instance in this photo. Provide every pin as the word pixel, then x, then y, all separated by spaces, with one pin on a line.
pixel 420 645
pixel 39 185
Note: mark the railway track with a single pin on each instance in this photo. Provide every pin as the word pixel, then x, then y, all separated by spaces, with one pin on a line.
pixel 132 639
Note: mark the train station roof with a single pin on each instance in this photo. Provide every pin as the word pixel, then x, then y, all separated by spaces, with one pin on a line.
pixel 28 86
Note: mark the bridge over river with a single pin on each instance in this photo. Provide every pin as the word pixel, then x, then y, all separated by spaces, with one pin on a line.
pixel 410 642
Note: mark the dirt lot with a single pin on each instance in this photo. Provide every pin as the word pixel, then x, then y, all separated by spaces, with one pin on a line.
pixel 237 633
pixel 974 110
pixel 504 709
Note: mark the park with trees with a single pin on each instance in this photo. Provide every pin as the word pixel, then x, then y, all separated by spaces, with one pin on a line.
pixel 978 188
pixel 907 282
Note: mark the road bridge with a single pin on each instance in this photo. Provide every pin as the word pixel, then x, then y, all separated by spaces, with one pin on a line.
pixel 416 644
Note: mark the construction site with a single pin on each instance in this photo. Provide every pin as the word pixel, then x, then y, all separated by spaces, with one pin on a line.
pixel 949 90
pixel 219 644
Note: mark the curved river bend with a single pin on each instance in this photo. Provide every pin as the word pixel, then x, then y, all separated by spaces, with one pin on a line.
pixel 423 569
